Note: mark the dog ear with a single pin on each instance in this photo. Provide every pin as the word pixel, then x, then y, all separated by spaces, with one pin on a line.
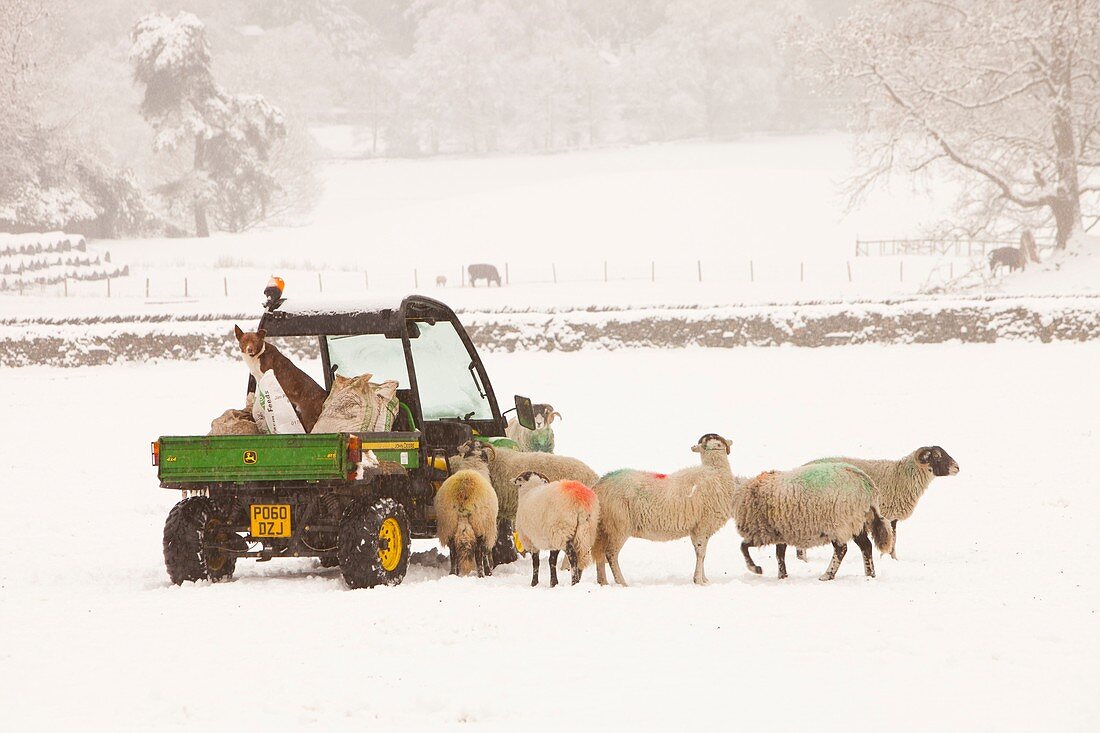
pixel 261 333
pixel 237 331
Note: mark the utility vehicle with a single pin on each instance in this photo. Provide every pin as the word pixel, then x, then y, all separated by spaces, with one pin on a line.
pixel 279 496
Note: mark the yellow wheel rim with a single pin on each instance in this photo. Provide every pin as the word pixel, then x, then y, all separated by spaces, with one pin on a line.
pixel 519 545
pixel 215 561
pixel 390 545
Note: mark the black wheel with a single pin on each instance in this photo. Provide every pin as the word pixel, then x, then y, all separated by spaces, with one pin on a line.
pixel 504 551
pixel 375 543
pixel 192 538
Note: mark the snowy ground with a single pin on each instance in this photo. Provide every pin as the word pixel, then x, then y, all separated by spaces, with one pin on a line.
pixel 987 622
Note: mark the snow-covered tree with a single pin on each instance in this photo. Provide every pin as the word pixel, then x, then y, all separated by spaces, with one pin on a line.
pixel 1003 94
pixel 232 136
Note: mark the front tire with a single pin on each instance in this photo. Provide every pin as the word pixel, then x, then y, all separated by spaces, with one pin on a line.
pixel 192 536
pixel 375 543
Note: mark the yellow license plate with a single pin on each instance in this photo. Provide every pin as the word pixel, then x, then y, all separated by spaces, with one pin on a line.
pixel 270 520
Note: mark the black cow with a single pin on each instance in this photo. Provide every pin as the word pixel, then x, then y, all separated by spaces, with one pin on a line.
pixel 488 273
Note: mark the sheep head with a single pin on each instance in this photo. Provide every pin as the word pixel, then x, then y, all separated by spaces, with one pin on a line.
pixel 935 459
pixel 544 415
pixel 530 478
pixel 712 441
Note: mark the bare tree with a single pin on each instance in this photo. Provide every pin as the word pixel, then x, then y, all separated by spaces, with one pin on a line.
pixel 1003 93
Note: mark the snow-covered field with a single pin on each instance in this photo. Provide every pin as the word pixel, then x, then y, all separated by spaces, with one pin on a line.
pixel 987 622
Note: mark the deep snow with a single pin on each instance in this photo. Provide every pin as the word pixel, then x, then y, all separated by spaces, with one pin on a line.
pixel 987 622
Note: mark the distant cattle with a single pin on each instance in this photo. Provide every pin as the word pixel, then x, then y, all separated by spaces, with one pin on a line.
pixel 441 281
pixel 488 273
pixel 1011 257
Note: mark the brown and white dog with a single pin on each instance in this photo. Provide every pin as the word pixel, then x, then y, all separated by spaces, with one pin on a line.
pixel 305 394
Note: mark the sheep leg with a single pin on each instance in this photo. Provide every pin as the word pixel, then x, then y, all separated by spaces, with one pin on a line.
pixel 700 543
pixel 553 568
pixel 781 556
pixel 613 561
pixel 894 549
pixel 535 568
pixel 800 553
pixel 753 567
pixel 478 559
pixel 601 568
pixel 486 555
pixel 839 550
pixel 453 556
pixel 574 566
pixel 864 545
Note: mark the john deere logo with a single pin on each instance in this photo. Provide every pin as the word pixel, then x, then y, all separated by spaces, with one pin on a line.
pixel 250 457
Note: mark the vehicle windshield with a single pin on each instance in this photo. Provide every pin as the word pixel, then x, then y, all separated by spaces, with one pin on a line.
pixel 448 387
pixel 372 353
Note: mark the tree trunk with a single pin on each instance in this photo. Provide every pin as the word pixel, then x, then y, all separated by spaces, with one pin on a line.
pixel 1067 204
pixel 202 229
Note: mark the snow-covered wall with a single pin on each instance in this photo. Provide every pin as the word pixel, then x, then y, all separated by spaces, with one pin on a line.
pixel 70 341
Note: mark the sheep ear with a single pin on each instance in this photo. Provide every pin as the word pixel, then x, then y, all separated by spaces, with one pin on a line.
pixel 728 444
pixel 490 451
pixel 923 455
pixel 696 448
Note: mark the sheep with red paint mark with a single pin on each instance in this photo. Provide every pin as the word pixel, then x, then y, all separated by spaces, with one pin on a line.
pixel 694 502
pixel 559 516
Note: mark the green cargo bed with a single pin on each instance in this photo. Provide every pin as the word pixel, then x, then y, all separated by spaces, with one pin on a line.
pixel 249 458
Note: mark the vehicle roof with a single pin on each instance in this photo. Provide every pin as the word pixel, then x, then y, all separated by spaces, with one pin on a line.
pixel 351 316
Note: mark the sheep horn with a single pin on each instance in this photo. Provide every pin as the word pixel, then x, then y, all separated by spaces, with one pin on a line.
pixel 557 414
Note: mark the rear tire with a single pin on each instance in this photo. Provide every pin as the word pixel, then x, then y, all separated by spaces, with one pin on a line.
pixel 190 530
pixel 504 551
pixel 375 543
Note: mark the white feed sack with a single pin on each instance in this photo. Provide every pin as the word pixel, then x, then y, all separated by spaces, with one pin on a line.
pixel 357 405
pixel 273 411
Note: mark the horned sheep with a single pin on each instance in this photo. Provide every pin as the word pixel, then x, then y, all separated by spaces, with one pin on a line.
pixel 900 484
pixel 466 516
pixel 809 506
pixel 541 438
pixel 694 502
pixel 556 516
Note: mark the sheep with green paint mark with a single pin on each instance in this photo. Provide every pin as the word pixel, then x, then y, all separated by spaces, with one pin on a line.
pixel 694 502
pixel 899 484
pixel 809 506
pixel 537 440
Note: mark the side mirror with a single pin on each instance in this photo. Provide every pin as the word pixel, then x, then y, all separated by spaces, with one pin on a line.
pixel 525 412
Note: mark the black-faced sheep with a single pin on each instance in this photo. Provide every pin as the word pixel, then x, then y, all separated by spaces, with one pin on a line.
pixel 559 516
pixel 899 484
pixel 694 502
pixel 539 440
pixel 809 506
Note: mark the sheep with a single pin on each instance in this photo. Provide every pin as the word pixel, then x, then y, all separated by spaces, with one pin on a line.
pixel 541 438
pixel 556 516
pixel 806 507
pixel 505 464
pixel 900 484
pixel 466 517
pixel 694 502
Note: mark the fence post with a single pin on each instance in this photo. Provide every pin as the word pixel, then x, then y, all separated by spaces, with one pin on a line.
pixel 185 294
pixel 416 279
pixel 66 282
pixel 507 277
pixel 605 270
pixel 699 266
pixel 225 285
pixel 554 269
pixel 652 271
pixel 849 263
pixel 366 280
pixel 901 271
pixel 146 287
pixel 320 285
pixel 801 272
pixel 752 272
pixel 108 287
